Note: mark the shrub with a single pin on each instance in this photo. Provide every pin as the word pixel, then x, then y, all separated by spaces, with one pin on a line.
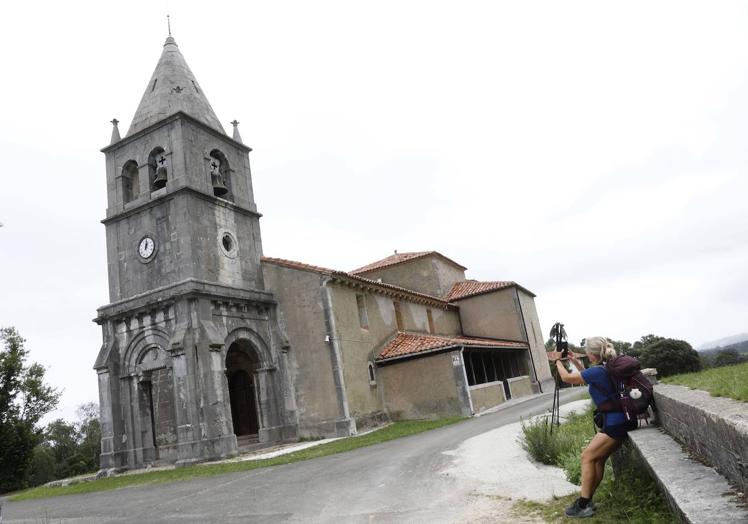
pixel 567 439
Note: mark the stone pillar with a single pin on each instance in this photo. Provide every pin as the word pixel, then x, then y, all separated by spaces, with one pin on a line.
pixel 135 438
pixel 184 399
pixel 265 403
pixel 106 460
pixel 146 435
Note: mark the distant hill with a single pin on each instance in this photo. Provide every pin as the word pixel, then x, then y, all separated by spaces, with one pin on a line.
pixel 723 343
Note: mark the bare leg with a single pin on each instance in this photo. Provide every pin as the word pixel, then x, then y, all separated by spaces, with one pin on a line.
pixel 593 462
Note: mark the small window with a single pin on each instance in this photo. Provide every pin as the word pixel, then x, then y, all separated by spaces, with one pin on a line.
pixel 430 318
pixel 372 375
pixel 363 317
pixel 398 315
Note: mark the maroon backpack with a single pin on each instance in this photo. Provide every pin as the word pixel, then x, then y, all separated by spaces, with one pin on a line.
pixel 632 391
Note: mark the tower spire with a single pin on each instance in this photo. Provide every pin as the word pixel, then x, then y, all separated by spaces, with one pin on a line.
pixel 168 23
pixel 173 88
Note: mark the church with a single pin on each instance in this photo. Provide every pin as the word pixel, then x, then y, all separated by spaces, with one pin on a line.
pixel 211 348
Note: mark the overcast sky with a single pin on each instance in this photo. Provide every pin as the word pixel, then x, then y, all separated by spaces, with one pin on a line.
pixel 594 152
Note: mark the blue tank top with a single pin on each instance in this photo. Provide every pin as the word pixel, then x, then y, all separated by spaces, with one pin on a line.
pixel 601 390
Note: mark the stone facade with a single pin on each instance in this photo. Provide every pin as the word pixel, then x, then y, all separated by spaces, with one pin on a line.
pixel 208 347
pixel 191 330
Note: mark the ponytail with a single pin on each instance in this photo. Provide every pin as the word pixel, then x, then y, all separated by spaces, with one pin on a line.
pixel 600 347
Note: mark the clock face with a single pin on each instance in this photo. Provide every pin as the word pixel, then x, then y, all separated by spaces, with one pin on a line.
pixel 146 247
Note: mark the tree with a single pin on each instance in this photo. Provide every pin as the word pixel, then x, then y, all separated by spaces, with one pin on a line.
pixel 90 435
pixel 646 340
pixel 621 347
pixel 670 357
pixel 72 448
pixel 727 357
pixel 24 400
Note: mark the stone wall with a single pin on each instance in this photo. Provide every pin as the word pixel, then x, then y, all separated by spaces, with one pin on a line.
pixel 713 428
pixel 425 388
pixel 488 395
pixel 520 386
pixel 431 275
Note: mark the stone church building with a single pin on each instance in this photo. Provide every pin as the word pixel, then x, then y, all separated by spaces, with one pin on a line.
pixel 209 347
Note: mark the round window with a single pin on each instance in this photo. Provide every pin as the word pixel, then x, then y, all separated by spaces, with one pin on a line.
pixel 227 241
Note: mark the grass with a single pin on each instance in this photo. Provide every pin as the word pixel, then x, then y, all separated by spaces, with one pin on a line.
pixel 727 381
pixel 393 431
pixel 632 497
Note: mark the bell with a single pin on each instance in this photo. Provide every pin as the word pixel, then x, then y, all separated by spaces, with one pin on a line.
pixel 160 180
pixel 219 188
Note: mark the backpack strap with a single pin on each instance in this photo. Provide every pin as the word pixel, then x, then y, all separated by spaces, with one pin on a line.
pixel 612 403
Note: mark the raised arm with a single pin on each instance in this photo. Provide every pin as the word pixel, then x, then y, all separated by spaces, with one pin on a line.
pixel 567 377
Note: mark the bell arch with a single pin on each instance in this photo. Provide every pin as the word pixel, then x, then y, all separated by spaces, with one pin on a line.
pixel 220 175
pixel 157 169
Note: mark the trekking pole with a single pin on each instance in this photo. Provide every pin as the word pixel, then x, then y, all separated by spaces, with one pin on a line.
pixel 559 333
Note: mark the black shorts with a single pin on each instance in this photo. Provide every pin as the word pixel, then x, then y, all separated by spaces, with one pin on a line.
pixel 619 431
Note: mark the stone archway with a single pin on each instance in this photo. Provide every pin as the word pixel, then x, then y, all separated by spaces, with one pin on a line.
pixel 241 369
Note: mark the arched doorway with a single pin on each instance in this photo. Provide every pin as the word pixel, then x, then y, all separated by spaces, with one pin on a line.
pixel 241 364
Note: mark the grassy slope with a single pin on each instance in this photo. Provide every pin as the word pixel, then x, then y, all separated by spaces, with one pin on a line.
pixel 393 431
pixel 727 381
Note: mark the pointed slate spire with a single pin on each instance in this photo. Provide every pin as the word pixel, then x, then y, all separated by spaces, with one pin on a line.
pixel 115 131
pixel 236 136
pixel 173 88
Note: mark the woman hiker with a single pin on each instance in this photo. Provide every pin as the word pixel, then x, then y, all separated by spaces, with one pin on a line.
pixel 614 427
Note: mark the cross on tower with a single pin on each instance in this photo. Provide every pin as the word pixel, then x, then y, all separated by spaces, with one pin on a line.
pixel 161 160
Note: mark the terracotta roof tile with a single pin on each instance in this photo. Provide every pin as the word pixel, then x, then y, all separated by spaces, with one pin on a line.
pixel 405 344
pixel 468 288
pixel 292 264
pixel 399 258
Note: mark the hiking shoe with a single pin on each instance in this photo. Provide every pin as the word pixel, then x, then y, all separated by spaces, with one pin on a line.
pixel 577 511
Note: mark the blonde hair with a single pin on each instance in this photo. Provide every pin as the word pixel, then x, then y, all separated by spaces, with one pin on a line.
pixel 600 347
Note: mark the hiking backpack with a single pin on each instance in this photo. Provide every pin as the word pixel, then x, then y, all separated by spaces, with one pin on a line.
pixel 632 391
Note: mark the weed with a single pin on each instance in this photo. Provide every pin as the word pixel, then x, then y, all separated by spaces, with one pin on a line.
pixel 632 497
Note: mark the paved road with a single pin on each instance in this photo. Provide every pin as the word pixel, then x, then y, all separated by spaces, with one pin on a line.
pixel 397 481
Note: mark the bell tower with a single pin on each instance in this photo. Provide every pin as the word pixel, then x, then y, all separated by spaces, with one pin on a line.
pixel 188 307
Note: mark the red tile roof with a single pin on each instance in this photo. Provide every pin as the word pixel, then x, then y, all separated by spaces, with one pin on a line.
pixel 399 258
pixel 342 275
pixel 468 288
pixel 292 264
pixel 405 344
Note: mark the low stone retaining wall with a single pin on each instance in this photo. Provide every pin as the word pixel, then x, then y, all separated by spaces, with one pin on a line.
pixel 520 386
pixel 715 429
pixel 487 395
pixel 701 444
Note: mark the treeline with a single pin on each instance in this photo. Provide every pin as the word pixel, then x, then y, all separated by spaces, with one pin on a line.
pixel 30 454
pixel 725 356
pixel 668 355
